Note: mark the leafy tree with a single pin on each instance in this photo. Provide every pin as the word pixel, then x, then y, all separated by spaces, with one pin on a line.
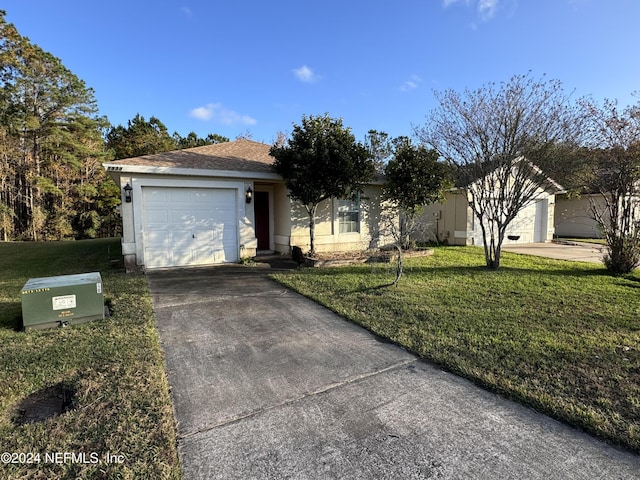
pixel 142 137
pixel 502 140
pixel 322 160
pixel 192 140
pixel 139 137
pixel 50 131
pixel 414 177
pixel 380 148
pixel 613 160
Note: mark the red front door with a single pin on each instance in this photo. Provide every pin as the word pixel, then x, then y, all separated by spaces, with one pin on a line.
pixel 261 209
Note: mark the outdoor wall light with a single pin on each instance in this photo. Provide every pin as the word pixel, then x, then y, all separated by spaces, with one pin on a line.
pixel 127 193
pixel 248 195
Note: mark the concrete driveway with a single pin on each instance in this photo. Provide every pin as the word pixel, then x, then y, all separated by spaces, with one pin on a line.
pixel 580 252
pixel 268 385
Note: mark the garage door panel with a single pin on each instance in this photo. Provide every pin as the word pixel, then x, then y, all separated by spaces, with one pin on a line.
pixel 189 226
pixel 156 195
pixel 157 216
pixel 204 236
pixel 181 217
pixel 203 196
pixel 157 238
pixel 180 195
pixel 160 256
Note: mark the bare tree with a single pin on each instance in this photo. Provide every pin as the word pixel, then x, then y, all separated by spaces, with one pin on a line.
pixel 613 138
pixel 502 140
pixel 281 139
pixel 246 135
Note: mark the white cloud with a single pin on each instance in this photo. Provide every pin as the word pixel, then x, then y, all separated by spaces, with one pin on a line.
pixel 411 84
pixel 220 114
pixel 448 3
pixel 486 8
pixel 187 11
pixel 305 74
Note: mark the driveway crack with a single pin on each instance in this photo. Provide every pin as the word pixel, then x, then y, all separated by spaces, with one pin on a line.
pixel 291 401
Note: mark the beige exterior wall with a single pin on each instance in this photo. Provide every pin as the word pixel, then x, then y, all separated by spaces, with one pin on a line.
pixel 128 239
pixel 282 219
pixel 327 235
pixel 449 219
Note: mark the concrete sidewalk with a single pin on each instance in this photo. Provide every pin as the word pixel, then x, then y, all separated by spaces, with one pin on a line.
pixel 267 385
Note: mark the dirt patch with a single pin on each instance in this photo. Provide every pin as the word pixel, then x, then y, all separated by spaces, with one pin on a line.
pixel 43 404
pixel 351 258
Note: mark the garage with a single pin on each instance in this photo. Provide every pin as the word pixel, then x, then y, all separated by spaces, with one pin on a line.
pixel 189 226
pixel 531 225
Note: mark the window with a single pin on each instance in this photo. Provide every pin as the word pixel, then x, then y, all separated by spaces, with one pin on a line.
pixel 349 216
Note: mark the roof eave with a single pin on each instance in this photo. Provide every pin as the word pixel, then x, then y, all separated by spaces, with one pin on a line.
pixel 187 172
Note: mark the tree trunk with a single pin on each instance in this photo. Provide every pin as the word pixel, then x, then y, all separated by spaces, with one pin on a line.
pixel 311 210
pixel 399 266
pixel 493 247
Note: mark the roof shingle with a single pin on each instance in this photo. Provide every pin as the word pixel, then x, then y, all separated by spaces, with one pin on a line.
pixel 239 155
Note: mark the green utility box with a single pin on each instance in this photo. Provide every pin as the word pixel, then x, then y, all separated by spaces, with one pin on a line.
pixel 64 300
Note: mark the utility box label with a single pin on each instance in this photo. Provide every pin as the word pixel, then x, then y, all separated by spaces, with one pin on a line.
pixel 63 302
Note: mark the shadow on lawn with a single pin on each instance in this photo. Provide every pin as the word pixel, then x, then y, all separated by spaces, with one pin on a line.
pixel 11 318
pixel 475 271
pixel 507 270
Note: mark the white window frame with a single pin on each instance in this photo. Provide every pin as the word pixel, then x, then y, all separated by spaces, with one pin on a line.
pixel 348 208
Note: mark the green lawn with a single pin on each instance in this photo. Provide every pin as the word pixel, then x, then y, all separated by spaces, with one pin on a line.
pixel 562 337
pixel 121 404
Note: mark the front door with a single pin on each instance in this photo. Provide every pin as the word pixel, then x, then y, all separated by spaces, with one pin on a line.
pixel 261 209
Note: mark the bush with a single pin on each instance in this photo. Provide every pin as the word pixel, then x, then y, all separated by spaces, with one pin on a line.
pixel 623 254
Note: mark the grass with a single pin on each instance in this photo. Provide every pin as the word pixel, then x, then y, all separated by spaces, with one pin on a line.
pixel 562 337
pixel 115 367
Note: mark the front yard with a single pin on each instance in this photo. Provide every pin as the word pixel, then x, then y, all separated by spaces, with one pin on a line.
pixel 562 337
pixel 120 421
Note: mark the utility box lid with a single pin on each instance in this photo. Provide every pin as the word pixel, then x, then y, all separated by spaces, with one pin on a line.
pixel 58 301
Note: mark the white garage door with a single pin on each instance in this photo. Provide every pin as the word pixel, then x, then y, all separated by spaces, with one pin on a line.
pixel 189 226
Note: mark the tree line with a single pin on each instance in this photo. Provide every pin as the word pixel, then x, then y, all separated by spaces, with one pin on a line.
pixel 53 143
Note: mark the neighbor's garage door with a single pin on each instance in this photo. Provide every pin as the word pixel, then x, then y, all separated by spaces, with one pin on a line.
pixel 529 226
pixel 189 226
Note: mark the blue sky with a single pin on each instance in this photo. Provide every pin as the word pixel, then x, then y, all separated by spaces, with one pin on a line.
pixel 234 66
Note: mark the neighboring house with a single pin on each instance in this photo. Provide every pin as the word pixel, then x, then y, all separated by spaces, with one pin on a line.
pixel 573 216
pixel 220 203
pixel 454 222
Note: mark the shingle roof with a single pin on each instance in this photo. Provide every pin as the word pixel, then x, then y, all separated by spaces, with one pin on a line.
pixel 240 155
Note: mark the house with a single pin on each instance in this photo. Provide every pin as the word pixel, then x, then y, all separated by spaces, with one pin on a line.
pixel 454 222
pixel 220 203
pixel 573 216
